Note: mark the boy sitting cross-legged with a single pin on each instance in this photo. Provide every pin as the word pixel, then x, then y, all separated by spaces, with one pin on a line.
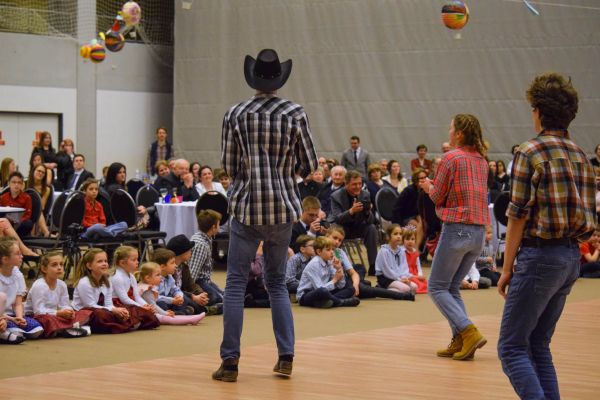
pixel 322 284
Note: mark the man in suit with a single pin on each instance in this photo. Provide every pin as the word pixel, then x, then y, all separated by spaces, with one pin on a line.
pixel 181 179
pixel 356 158
pixel 310 222
pixel 352 209
pixel 338 174
pixel 79 174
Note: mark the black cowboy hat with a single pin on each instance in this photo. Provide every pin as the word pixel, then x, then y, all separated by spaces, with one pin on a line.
pixel 266 73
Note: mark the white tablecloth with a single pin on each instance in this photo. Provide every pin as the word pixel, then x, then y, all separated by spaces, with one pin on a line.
pixel 178 218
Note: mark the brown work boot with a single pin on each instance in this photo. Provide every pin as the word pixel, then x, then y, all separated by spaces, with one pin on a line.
pixel 228 371
pixel 283 367
pixel 472 340
pixel 454 347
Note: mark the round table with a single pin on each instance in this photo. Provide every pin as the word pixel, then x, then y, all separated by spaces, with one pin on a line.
pixel 177 218
pixel 14 211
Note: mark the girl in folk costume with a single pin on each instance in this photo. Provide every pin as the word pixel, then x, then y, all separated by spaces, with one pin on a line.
pixel 125 290
pixel 48 302
pixel 149 279
pixel 409 239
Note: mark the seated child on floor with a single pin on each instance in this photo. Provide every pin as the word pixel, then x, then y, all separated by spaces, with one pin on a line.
pixel 150 277
pixel 486 262
pixel 354 279
pixel 297 262
pixel 170 296
pixel 12 284
pixel 322 284
pixel 125 291
pixel 201 263
pixel 590 256
pixel 94 292
pixel 409 240
pixel 48 302
pixel 391 267
pixel 256 292
pixel 182 247
pixel 6 336
pixel 474 281
pixel 93 218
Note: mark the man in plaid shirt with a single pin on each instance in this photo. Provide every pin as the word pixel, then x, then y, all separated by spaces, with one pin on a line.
pixel 265 141
pixel 551 209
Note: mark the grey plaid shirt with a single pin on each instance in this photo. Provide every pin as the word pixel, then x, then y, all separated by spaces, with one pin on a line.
pixel 262 140
pixel 201 262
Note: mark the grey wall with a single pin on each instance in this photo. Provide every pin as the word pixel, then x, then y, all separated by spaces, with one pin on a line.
pixel 386 70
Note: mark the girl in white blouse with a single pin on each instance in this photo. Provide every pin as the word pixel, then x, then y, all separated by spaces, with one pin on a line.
pixel 391 267
pixel 93 292
pixel 12 284
pixel 48 302
pixel 125 290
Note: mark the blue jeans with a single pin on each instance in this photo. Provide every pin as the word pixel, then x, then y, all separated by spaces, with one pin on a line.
pixel 243 242
pixel 536 296
pixel 458 248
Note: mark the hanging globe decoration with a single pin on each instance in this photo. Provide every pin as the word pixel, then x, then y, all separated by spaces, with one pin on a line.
pixel 455 14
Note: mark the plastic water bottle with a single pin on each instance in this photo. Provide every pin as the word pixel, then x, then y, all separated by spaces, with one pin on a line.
pixel 137 174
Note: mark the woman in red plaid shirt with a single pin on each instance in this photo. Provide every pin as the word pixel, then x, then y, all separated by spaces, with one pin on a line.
pixel 460 194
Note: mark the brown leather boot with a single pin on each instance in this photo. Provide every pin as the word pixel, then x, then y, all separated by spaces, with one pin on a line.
pixel 283 367
pixel 472 340
pixel 228 371
pixel 454 347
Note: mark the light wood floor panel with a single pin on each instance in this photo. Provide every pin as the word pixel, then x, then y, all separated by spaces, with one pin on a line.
pixel 392 363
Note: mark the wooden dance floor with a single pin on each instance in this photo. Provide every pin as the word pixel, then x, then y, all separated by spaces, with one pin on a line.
pixel 393 363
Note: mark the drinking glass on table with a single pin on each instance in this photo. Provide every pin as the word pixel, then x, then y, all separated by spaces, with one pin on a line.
pixel 163 194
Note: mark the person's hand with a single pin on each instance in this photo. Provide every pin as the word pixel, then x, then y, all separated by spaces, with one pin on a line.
pixel 121 313
pixel 356 290
pixel 494 268
pixel 337 264
pixel 3 324
pixel 148 307
pixel 170 313
pixel 141 210
pixel 201 299
pixel 405 281
pixel 504 281
pixel 322 215
pixel 188 179
pixel 465 285
pixel 489 259
pixel 425 185
pixel 357 207
pixel 178 300
pixel 475 285
pixel 421 278
pixel 65 314
pixel 50 165
pixel 315 226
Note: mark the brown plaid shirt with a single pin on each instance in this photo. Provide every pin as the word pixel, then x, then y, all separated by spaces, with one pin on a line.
pixel 552 185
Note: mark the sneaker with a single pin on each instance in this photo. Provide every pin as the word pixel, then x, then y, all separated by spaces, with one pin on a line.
pixel 283 367
pixel 215 309
pixel 74 333
pixel 228 371
pixel 351 302
pixel 34 333
pixel 323 304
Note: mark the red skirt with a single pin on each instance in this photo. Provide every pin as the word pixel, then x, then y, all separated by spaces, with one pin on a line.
pixel 103 321
pixel 421 285
pixel 139 316
pixel 53 324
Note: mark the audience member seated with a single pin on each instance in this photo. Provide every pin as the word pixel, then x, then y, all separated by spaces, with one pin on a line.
pixel 486 262
pixel 395 178
pixel 115 178
pixel 502 177
pixel 207 184
pixel 78 174
pixel 337 182
pixel 225 181
pixel 94 219
pixel 352 209
pixel 318 176
pixel 7 167
pixel 374 182
pixel 6 230
pixel 596 159
pixel 421 161
pixel 406 209
pixel 179 179
pixel 383 165
pixel 161 170
pixel 37 182
pixel 35 160
pixel 493 185
pixel 310 223
pixel 256 295
pixel 308 187
pixel 195 168
pixel 16 197
pixel 475 281
pixel 590 256
pixel 159 150
pixel 45 149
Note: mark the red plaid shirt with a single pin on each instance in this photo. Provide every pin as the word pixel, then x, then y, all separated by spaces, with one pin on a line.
pixel 460 190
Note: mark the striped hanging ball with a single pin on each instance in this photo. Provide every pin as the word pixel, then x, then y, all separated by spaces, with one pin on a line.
pixel 455 14
pixel 97 53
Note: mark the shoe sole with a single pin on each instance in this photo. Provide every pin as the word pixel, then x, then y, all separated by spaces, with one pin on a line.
pixel 283 372
pixel 225 378
pixel 471 354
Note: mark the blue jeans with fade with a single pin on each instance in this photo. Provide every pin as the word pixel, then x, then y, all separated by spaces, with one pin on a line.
pixel 458 248
pixel 537 292
pixel 243 243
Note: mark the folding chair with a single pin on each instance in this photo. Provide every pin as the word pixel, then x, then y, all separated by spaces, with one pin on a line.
pixel 213 200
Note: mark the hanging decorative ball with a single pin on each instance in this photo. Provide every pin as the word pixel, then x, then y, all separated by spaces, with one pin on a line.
pixel 97 53
pixel 455 14
pixel 114 41
pixel 131 13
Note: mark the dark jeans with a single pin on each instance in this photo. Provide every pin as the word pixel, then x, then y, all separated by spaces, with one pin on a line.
pixel 314 297
pixel 368 233
pixel 537 293
pixel 24 228
pixel 215 293
pixel 292 287
pixel 590 270
pixel 491 275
